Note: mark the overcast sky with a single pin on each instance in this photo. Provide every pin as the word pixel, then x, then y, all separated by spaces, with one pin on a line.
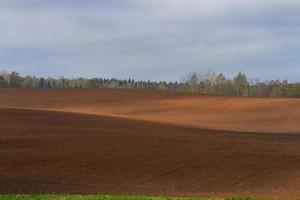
pixel 150 39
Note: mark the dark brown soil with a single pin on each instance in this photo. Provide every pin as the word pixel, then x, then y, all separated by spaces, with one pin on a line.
pixel 56 152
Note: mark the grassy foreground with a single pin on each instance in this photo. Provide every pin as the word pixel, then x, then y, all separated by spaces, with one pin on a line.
pixel 104 197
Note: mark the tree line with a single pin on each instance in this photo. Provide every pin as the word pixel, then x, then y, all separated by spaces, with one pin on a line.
pixel 204 83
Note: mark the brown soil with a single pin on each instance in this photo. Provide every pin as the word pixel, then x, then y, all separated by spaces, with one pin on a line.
pixel 204 111
pixel 44 151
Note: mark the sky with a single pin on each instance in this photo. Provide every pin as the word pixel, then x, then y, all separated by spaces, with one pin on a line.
pixel 150 39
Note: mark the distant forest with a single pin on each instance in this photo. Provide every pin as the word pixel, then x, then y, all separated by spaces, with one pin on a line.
pixel 203 83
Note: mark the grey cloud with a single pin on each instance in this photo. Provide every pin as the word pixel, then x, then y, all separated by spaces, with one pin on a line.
pixel 155 39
